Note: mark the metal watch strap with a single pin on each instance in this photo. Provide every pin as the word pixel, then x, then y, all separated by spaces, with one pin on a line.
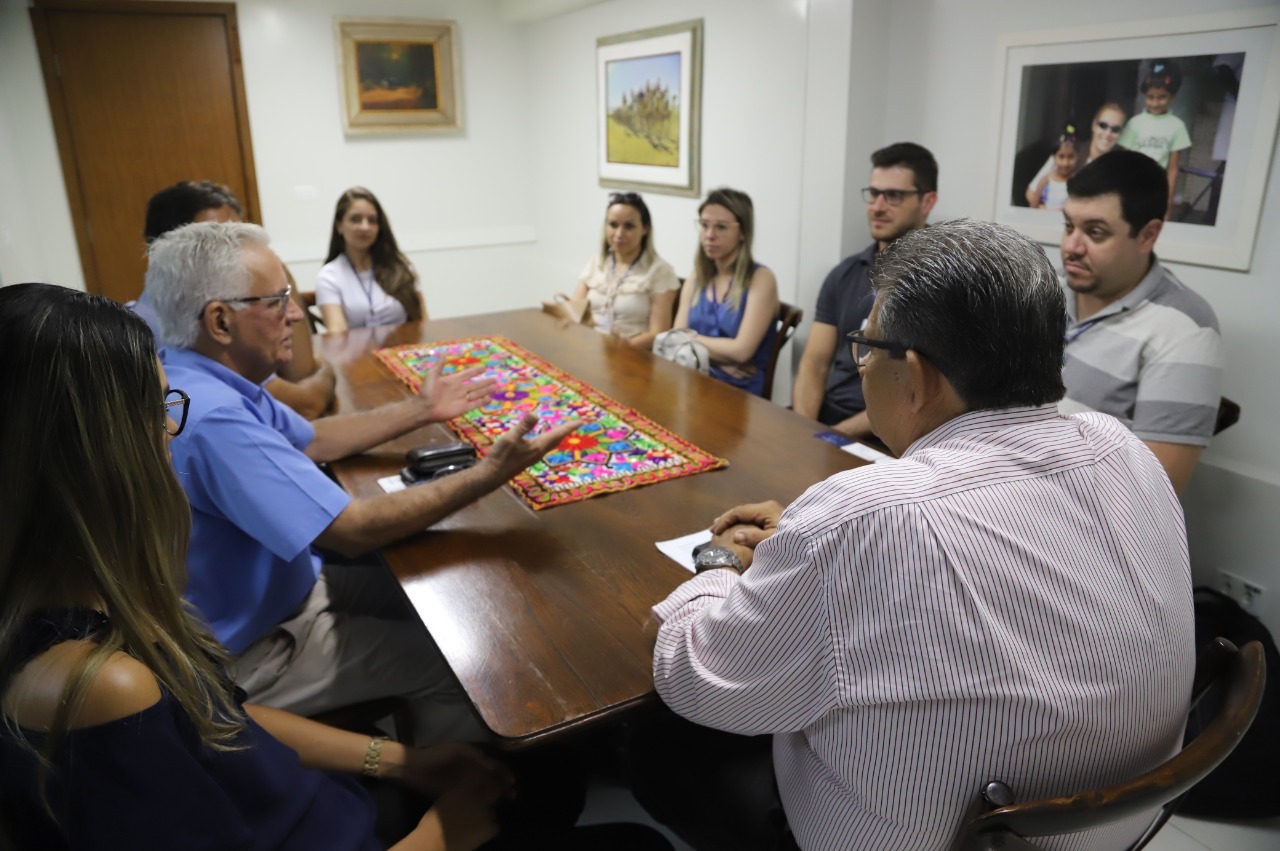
pixel 713 557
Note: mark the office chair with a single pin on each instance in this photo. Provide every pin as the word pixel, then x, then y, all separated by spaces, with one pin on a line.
pixel 1242 672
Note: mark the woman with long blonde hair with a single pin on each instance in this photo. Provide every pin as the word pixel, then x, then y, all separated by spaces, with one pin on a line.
pixel 730 300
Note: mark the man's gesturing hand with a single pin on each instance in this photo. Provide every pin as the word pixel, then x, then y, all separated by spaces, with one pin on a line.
pixel 511 453
pixel 449 396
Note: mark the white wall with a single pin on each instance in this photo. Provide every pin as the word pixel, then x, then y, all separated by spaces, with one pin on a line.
pixel 37 240
pixel 756 66
pixel 940 75
pixel 460 203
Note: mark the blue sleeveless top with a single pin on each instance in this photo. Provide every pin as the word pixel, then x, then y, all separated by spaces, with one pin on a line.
pixel 146 781
pixel 713 318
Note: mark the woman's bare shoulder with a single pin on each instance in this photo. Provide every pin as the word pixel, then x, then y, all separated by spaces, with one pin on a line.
pixel 123 686
pixel 764 283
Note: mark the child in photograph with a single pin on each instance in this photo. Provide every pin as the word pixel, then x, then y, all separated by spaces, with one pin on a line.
pixel 1156 132
pixel 1050 192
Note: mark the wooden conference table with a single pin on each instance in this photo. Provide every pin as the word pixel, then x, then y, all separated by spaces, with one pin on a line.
pixel 544 615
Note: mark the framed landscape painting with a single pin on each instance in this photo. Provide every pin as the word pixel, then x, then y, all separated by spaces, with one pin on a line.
pixel 398 75
pixel 1072 95
pixel 649 90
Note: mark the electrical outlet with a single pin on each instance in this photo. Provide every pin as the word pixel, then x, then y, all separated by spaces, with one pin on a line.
pixel 1245 592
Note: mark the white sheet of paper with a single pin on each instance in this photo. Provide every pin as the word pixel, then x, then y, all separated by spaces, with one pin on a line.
pixel 866 453
pixel 680 550
pixel 391 484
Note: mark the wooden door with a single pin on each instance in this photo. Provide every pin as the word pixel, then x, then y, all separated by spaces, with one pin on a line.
pixel 143 95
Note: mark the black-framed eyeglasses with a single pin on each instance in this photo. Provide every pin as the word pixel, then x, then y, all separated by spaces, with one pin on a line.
pixel 1114 128
pixel 176 399
pixel 863 345
pixel 281 300
pixel 892 197
pixel 624 198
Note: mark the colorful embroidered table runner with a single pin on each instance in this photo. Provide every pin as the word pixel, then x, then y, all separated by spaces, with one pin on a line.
pixel 616 448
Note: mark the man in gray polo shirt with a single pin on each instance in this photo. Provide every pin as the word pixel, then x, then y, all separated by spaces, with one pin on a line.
pixel 1141 346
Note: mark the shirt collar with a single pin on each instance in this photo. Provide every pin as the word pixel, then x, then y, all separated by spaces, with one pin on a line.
pixel 193 360
pixel 983 422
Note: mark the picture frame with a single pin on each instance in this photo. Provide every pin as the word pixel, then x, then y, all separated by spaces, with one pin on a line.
pixel 1056 81
pixel 398 75
pixel 649 109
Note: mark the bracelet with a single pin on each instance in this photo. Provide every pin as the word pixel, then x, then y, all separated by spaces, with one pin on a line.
pixel 373 756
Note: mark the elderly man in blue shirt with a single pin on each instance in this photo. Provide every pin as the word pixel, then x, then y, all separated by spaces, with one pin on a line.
pixel 305 637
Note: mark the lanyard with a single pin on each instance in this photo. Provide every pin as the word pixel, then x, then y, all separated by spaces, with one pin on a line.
pixel 368 291
pixel 617 282
pixel 716 304
pixel 612 293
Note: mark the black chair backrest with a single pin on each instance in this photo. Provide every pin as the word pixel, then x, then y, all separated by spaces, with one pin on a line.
pixel 1244 674
pixel 1228 415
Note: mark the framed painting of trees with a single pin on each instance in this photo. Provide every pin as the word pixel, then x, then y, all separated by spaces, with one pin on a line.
pixel 649 89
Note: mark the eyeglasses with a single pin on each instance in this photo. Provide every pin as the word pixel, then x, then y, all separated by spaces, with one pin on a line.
pixel 892 197
pixel 624 198
pixel 862 347
pixel 1112 128
pixel 281 299
pixel 715 227
pixel 173 399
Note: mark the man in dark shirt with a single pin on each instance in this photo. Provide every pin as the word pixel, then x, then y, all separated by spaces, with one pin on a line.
pixel 903 189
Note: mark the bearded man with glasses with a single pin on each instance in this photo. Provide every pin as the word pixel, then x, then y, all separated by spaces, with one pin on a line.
pixel 305 636
pixel 904 183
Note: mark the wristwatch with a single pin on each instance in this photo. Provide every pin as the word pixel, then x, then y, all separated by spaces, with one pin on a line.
pixel 713 557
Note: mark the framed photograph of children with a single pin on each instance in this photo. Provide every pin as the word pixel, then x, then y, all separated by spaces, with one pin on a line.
pixel 1200 95
pixel 398 75
pixel 649 93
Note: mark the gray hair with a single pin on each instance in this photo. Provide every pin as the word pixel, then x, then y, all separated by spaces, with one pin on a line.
pixel 193 265
pixel 983 304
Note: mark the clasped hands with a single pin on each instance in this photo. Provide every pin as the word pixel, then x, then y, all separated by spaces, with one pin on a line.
pixel 742 528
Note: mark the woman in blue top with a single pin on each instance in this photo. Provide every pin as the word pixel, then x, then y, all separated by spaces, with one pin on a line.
pixel 730 300
pixel 119 727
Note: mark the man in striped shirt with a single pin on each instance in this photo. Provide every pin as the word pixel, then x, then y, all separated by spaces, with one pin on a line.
pixel 1009 600
pixel 1141 346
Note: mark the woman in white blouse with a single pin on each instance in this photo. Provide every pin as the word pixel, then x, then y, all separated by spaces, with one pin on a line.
pixel 366 280
pixel 632 291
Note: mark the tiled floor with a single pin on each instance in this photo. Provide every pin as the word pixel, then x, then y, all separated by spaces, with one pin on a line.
pixel 1188 834
pixel 606 802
